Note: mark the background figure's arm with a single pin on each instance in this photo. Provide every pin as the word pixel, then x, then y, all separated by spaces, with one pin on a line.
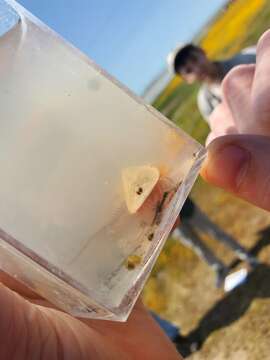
pixel 246 57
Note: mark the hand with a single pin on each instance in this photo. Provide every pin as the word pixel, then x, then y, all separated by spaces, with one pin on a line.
pixel 240 163
pixel 221 123
pixel 245 107
pixel 32 329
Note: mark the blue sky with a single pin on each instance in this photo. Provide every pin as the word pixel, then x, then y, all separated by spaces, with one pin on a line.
pixel 128 38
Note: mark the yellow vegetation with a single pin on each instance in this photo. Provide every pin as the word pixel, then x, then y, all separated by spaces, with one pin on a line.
pixel 227 32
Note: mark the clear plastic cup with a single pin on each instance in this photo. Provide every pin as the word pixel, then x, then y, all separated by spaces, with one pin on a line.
pixel 73 144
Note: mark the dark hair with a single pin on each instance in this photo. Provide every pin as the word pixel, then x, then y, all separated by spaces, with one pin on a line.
pixel 183 55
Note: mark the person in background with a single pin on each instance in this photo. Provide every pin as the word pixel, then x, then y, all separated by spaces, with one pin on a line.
pixel 192 64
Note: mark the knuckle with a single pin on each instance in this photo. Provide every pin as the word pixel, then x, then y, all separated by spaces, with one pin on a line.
pixel 234 79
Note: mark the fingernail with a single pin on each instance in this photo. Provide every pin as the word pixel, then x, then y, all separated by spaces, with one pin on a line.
pixel 226 165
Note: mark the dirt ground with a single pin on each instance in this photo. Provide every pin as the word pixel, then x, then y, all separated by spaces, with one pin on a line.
pixel 182 288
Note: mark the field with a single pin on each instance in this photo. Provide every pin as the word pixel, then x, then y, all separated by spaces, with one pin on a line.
pixel 181 288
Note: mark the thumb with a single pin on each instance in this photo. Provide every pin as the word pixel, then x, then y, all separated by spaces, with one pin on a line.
pixel 16 315
pixel 29 331
pixel 240 164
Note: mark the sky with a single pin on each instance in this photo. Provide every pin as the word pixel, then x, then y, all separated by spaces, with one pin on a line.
pixel 128 38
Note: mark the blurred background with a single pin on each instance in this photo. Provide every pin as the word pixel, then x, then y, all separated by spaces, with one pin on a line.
pixel 131 40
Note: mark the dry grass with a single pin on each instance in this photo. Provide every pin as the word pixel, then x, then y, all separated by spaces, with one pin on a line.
pixel 182 289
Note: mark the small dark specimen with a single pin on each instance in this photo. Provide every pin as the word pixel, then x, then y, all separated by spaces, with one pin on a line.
pixel 160 208
pixel 132 261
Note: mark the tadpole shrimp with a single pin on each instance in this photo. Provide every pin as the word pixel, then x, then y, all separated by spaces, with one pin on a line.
pixel 158 200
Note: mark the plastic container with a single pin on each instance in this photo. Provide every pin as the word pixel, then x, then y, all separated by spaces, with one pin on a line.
pixel 71 139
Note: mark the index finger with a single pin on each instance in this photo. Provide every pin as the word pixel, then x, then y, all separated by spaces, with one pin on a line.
pixel 260 96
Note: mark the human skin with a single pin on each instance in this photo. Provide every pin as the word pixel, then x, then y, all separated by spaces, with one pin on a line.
pixel 239 161
pixel 31 328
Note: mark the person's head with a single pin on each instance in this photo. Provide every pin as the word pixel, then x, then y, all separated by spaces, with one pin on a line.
pixel 192 64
